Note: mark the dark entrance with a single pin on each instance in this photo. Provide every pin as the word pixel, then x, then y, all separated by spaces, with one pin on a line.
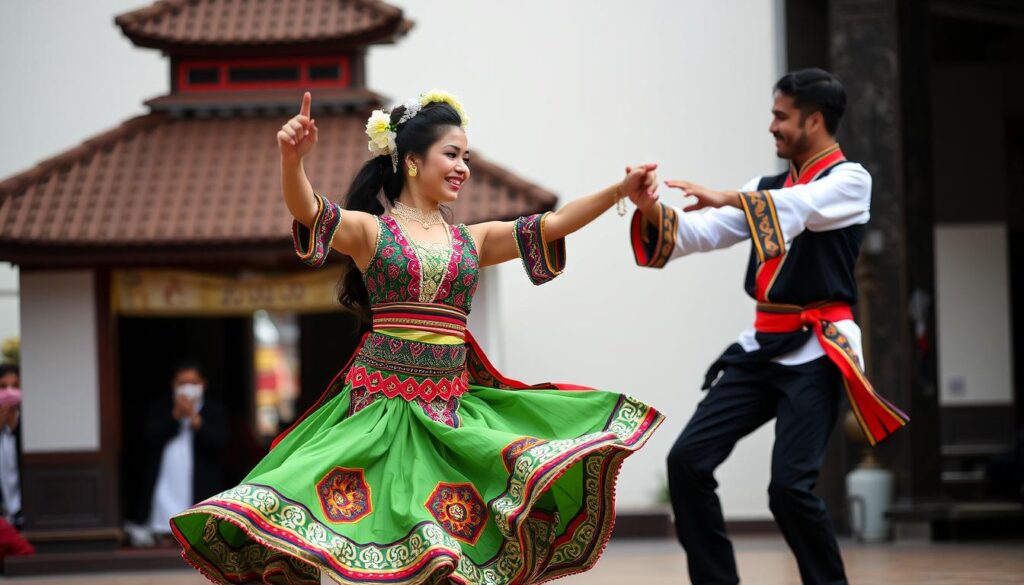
pixel 150 348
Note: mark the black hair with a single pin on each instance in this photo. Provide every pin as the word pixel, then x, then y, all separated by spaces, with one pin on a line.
pixel 186 364
pixel 377 176
pixel 9 369
pixel 815 90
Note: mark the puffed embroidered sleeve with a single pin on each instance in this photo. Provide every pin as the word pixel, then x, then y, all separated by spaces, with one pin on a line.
pixel 774 217
pixel 313 244
pixel 543 260
pixel 677 234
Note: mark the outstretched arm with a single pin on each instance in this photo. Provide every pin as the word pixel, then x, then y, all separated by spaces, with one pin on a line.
pixel 318 218
pixel 841 199
pixel 496 240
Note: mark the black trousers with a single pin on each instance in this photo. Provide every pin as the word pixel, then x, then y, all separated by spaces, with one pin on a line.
pixel 804 400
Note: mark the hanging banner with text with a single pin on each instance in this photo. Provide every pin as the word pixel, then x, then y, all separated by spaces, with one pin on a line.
pixel 171 292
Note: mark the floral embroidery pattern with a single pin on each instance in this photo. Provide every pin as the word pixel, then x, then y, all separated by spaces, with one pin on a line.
pixel 251 561
pixel 764 224
pixel 344 495
pixel 441 410
pixel 410 369
pixel 532 550
pixel 543 260
pixel 394 271
pixel 360 398
pixel 653 244
pixel 513 450
pixel 832 333
pixel 459 509
pixel 313 244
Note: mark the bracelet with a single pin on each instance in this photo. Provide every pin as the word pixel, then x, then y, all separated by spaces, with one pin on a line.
pixel 620 202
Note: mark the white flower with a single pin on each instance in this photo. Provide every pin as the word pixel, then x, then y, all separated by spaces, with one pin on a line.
pixel 382 136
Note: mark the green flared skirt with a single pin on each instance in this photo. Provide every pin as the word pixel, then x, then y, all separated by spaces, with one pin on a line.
pixel 505 484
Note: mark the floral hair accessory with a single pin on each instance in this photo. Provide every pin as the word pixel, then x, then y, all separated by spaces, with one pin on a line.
pixel 382 132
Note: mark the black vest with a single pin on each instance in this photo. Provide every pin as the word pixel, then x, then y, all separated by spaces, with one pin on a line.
pixel 818 266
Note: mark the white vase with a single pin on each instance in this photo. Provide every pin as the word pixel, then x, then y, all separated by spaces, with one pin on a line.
pixel 868 496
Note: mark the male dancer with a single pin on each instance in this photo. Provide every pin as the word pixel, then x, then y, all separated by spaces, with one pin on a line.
pixel 806 227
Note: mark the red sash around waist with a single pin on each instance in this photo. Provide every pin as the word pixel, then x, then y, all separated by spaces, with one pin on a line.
pixel 877 417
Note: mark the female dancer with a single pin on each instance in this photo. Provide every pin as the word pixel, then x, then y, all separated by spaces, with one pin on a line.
pixel 421 463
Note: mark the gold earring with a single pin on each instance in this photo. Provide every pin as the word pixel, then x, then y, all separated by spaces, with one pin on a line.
pixel 413 171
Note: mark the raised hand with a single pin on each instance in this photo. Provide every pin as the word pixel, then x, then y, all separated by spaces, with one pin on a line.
pixel 183 407
pixel 705 197
pixel 298 136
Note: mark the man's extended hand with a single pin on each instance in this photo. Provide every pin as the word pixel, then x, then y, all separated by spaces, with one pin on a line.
pixel 705 197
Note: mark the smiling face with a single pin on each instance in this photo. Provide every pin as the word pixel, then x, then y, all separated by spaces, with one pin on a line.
pixel 444 168
pixel 789 127
pixel 798 133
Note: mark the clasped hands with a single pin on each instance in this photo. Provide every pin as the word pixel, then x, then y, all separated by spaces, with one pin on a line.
pixel 646 198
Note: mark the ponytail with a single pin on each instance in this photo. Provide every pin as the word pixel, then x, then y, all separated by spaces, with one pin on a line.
pixel 374 177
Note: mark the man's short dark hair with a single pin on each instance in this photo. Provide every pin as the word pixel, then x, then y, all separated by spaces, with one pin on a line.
pixel 9 369
pixel 815 90
pixel 187 364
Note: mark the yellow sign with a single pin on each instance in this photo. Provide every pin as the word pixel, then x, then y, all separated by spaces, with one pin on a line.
pixel 171 292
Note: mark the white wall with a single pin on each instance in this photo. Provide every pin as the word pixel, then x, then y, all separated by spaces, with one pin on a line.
pixel 9 323
pixel 566 94
pixel 68 74
pixel 972 308
pixel 563 93
pixel 60 402
pixel 485 317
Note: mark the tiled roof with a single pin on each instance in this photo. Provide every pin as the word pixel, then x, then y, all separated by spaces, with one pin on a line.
pixel 265 101
pixel 162 181
pixel 185 26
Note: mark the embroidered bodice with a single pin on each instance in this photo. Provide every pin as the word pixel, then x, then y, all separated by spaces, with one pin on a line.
pixel 403 271
pixel 420 295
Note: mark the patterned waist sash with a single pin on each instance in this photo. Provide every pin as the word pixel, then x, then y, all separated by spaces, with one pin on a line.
pixel 428 317
pixel 409 369
pixel 877 417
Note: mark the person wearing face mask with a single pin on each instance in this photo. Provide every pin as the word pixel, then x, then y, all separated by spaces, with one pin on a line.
pixel 11 542
pixel 185 437
pixel 422 463
pixel 10 444
pixel 806 226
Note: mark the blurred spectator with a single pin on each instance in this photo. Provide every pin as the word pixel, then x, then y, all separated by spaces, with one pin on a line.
pixel 10 444
pixel 185 436
pixel 11 543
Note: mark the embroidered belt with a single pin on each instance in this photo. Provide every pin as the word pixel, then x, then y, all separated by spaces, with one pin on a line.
pixel 409 369
pixel 428 317
pixel 877 417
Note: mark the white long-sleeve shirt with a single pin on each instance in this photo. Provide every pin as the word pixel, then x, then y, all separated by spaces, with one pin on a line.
pixel 838 200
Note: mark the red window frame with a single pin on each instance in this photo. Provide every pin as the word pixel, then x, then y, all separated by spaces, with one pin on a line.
pixel 224 66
